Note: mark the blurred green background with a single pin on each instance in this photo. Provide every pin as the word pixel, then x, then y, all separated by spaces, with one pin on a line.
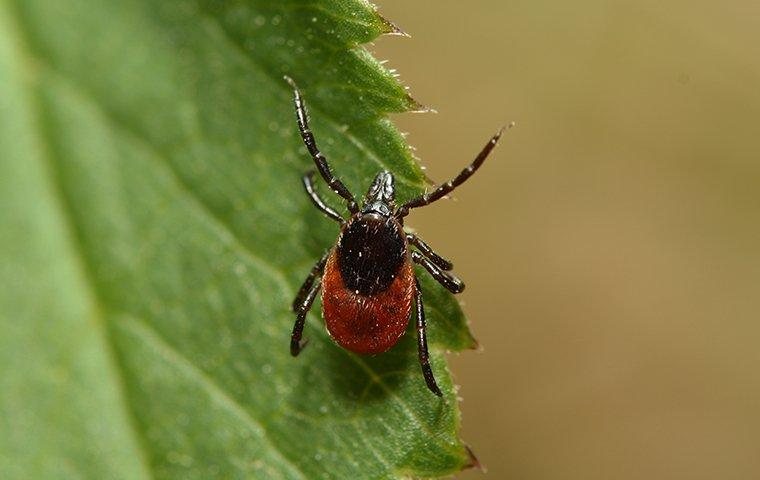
pixel 611 246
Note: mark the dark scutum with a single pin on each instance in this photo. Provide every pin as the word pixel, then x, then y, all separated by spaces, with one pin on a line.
pixel 370 253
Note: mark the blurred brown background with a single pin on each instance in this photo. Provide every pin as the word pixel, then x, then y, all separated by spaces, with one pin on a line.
pixel 611 246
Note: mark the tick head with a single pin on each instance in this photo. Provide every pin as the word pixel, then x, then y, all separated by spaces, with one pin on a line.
pixel 381 196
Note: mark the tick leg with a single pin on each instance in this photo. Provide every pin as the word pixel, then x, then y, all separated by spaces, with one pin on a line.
pixel 438 260
pixel 311 145
pixel 422 347
pixel 448 187
pixel 308 183
pixel 295 339
pixel 316 270
pixel 452 283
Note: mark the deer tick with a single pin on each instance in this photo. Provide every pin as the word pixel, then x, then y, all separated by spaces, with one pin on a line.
pixel 367 278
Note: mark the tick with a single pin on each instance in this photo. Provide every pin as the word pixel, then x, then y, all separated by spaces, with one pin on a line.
pixel 367 278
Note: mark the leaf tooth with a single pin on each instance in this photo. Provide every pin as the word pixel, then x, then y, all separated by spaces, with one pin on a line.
pixel 415 106
pixel 472 460
pixel 390 28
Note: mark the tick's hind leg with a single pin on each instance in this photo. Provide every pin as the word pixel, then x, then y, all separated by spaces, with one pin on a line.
pixel 295 339
pixel 423 247
pixel 422 347
pixel 316 271
pixel 451 282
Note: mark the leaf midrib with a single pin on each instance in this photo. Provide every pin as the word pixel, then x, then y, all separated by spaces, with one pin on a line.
pixel 95 295
pixel 32 98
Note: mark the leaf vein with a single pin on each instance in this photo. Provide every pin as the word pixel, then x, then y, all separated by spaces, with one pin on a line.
pixel 173 356
pixel 219 29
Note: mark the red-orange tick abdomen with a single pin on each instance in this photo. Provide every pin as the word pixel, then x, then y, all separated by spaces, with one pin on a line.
pixel 368 285
pixel 366 324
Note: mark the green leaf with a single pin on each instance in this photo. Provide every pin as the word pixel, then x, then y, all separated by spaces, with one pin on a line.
pixel 153 233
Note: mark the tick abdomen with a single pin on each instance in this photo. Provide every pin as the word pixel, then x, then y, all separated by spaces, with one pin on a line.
pixel 370 252
pixel 368 285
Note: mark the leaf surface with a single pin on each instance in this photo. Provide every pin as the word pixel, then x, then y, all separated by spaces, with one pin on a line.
pixel 154 232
